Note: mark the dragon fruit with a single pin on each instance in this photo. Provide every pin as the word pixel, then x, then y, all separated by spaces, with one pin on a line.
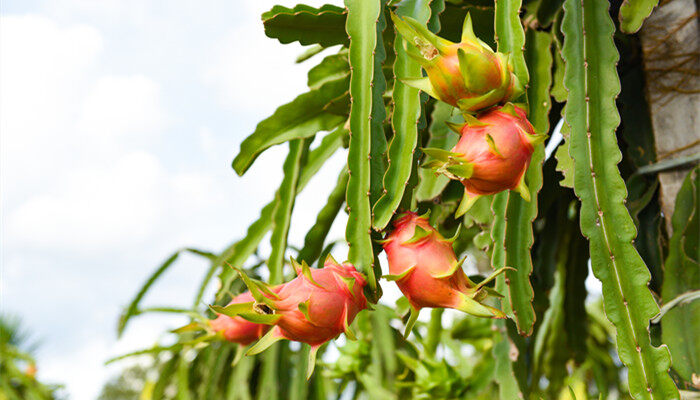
pixel 236 329
pixel 492 154
pixel 468 75
pixel 427 272
pixel 313 308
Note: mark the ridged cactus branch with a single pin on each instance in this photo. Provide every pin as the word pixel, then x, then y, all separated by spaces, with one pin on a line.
pixel 404 121
pixel 513 215
pixel 361 28
pixel 591 78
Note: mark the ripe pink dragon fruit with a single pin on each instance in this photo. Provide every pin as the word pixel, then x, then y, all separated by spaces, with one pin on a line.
pixel 236 329
pixel 313 308
pixel 492 155
pixel 468 75
pixel 425 268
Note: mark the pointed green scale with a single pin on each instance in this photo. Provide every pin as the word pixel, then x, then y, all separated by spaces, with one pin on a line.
pixel 492 145
pixel 472 66
pixel 414 38
pixel 349 281
pixel 266 341
pixel 304 270
pixel 346 326
pixel 509 108
pixel 256 289
pixel 463 170
pixel 304 308
pixel 418 235
pixel 523 189
pixel 468 31
pixel 439 154
pixel 311 364
pixel 536 139
pixel 455 127
pixel 471 103
pixel 265 288
pixel 258 318
pixel 473 307
pixel 492 277
pixel 457 265
pixel 467 202
pixel 411 321
pixel 456 235
pixel 439 43
pixel 399 276
pixel 421 84
pixel 233 310
pixel 473 122
pixel 432 164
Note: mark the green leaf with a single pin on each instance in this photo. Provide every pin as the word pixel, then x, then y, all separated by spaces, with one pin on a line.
pixel 379 145
pixel 303 117
pixel 404 121
pixel 593 85
pixel 634 12
pixel 361 28
pixel 441 137
pixel 329 69
pixel 510 36
pixel 307 25
pixel 313 242
pixel 681 324
pixel 133 308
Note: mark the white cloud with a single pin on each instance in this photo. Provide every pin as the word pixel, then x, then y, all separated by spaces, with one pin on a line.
pixel 118 106
pixel 93 209
pixel 253 72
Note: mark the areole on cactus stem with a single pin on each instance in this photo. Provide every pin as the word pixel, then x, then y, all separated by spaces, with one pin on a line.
pixel 426 270
pixel 468 75
pixel 313 308
pixel 492 154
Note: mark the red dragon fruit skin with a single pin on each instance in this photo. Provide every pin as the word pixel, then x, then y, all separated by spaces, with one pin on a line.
pixel 237 329
pixel 492 155
pixel 319 307
pixel 427 272
pixel 315 307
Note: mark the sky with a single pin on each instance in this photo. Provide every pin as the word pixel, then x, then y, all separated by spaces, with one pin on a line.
pixel 118 123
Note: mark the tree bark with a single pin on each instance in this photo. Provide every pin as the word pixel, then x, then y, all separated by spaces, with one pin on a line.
pixel 671 47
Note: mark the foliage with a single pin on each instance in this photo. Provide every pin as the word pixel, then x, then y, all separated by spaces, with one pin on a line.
pixel 17 367
pixel 558 341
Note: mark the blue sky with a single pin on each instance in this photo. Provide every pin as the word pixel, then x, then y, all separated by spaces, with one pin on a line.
pixel 119 120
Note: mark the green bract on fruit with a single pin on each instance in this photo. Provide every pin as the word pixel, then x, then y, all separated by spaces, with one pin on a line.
pixel 237 329
pixel 425 268
pixel 468 75
pixel 492 154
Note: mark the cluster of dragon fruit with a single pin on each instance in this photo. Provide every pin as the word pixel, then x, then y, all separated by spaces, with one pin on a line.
pixel 492 155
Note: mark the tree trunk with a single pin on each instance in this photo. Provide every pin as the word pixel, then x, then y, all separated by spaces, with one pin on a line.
pixel 671 46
